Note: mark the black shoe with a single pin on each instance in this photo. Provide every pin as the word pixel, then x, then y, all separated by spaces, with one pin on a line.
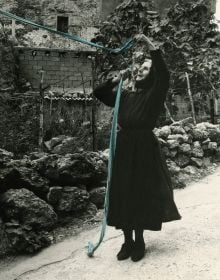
pixel 125 251
pixel 138 252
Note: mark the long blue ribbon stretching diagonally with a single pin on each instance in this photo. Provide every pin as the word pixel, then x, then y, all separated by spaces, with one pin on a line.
pixel 126 46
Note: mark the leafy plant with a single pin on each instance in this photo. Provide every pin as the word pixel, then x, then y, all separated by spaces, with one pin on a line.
pixel 187 36
pixel 128 19
pixel 191 42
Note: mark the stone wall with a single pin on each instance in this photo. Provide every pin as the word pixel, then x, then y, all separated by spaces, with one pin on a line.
pixel 62 68
pixel 188 149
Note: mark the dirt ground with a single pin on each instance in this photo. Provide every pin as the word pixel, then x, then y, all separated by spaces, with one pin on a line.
pixel 186 249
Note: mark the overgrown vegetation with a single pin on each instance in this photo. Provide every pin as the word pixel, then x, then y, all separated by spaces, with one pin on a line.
pixel 188 37
pixel 191 42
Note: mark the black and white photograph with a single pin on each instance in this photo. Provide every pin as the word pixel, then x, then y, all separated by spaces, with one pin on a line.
pixel 110 139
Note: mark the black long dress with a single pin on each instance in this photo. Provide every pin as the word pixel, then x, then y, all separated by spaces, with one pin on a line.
pixel 141 193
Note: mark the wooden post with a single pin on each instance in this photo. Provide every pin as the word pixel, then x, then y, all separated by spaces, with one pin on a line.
pixel 84 103
pixel 13 28
pixel 190 98
pixel 93 108
pixel 168 112
pixel 51 103
pixel 83 84
pixel 41 130
pixel 212 108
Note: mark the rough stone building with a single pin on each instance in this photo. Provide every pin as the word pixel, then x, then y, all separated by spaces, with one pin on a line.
pixel 76 17
pixel 63 61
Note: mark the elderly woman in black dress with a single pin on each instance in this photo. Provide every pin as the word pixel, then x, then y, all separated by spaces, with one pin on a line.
pixel 141 194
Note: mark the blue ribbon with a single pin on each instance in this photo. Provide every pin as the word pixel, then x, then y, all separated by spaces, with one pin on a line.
pixel 112 147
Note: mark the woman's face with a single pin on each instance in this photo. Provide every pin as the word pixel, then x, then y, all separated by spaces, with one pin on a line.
pixel 143 70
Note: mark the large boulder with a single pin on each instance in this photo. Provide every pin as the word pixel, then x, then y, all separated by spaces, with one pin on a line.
pixel 183 178
pixel 72 199
pixel 47 167
pixel 7 176
pixel 169 153
pixel 86 168
pixel 185 149
pixel 207 161
pixel 91 210
pixel 173 153
pixel 199 134
pixel 198 162
pixel 180 138
pixel 23 239
pixel 5 157
pixel 206 126
pixel 100 165
pixel 23 177
pixel 177 130
pixel 173 167
pixel 197 150
pixel 74 169
pixel 162 142
pixel 97 196
pixel 69 145
pixel 212 146
pixel 207 130
pixel 188 127
pixel 63 145
pixel 182 160
pixel 163 132
pixel 23 162
pixel 51 144
pixel 190 170
pixel 81 169
pixel 54 195
pixel 177 182
pixel 214 134
pixel 25 207
pixel 173 144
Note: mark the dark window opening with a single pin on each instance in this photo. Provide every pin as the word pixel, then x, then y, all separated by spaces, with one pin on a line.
pixel 62 24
